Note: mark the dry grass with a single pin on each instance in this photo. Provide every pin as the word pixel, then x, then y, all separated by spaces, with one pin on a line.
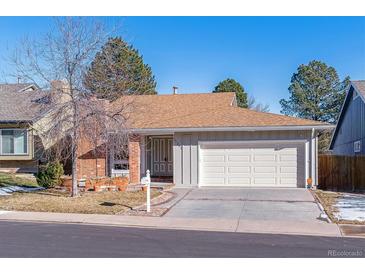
pixel 90 202
pixel 7 179
pixel 328 199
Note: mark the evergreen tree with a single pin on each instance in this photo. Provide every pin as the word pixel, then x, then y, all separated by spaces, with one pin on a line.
pixel 118 70
pixel 230 85
pixel 316 93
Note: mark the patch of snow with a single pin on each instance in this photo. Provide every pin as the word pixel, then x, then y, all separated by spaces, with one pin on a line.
pixel 32 189
pixel 7 190
pixel 3 193
pixel 350 207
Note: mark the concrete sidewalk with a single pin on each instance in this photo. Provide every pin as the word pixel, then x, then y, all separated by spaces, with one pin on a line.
pixel 214 224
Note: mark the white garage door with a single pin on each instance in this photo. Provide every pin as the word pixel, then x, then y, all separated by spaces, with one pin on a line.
pixel 266 165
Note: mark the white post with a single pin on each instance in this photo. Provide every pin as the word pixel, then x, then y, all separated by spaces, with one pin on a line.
pixel 313 158
pixel 148 190
pixel 306 163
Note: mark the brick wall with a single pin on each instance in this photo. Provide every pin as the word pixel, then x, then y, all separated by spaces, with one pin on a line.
pixel 134 159
pixel 91 161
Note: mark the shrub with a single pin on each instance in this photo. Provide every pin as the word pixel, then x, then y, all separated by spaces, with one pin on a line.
pixel 50 175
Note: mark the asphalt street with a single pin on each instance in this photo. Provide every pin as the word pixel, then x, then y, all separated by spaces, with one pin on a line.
pixel 45 240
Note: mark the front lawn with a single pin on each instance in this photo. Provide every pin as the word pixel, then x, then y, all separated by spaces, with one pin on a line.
pixel 7 179
pixel 89 202
pixel 343 208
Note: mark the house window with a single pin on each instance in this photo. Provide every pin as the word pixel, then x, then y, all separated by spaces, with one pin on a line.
pixel 13 142
pixel 121 165
pixel 357 146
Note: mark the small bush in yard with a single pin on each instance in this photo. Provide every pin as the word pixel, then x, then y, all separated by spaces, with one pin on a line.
pixel 50 175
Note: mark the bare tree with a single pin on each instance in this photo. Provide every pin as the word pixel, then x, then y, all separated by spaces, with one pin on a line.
pixel 252 104
pixel 58 63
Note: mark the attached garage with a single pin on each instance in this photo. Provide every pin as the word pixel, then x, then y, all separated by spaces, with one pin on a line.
pixel 281 158
pixel 252 164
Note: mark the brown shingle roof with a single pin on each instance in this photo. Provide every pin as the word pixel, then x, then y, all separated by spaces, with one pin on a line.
pixel 204 110
pixel 18 102
pixel 359 86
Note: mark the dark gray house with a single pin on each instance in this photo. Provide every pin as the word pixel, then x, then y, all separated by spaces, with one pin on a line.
pixel 349 135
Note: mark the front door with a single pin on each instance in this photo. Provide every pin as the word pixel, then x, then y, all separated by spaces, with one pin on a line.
pixel 162 157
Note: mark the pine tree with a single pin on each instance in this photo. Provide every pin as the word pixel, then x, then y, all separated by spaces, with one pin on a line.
pixel 230 85
pixel 118 70
pixel 316 93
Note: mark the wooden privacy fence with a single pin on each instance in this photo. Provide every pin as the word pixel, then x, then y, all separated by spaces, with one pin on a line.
pixel 341 173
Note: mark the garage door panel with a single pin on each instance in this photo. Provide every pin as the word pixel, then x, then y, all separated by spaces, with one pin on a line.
pixel 264 181
pixel 250 165
pixel 288 169
pixel 239 158
pixel 213 164
pixel 214 180
pixel 264 169
pixel 239 169
pixel 267 151
pixel 287 181
pixel 213 151
pixel 238 181
pixel 213 158
pixel 264 175
pixel 288 150
pixel 264 158
pixel 287 158
pixel 214 169
pixel 237 164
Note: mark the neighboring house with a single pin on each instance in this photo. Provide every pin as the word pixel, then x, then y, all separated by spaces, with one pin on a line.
pixel 349 135
pixel 206 140
pixel 18 111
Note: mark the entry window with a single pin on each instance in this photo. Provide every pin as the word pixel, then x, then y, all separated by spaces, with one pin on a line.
pixel 121 165
pixel 13 142
pixel 120 160
pixel 357 146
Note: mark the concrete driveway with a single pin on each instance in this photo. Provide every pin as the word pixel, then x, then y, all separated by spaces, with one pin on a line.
pixel 264 204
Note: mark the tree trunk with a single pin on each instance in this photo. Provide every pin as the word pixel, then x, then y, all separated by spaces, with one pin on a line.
pixel 74 170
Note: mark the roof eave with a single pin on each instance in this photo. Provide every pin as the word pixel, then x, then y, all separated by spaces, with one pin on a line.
pixel 15 121
pixel 251 128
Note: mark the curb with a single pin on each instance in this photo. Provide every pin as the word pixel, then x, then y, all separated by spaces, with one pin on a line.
pixel 323 216
pixel 164 193
pixel 85 223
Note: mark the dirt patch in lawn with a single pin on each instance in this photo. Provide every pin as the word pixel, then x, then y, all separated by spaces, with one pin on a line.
pixel 89 202
pixel 329 199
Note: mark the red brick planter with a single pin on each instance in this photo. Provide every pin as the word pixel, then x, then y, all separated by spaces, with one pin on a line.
pixel 66 181
pixel 99 184
pixel 107 183
pixel 121 183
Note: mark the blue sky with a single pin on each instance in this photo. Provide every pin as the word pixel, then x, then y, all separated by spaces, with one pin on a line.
pixel 195 53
